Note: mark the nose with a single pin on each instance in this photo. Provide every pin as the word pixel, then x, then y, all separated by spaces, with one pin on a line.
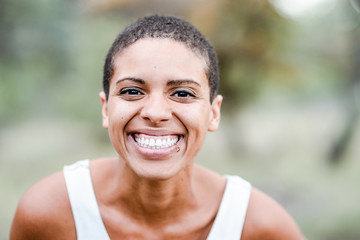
pixel 156 109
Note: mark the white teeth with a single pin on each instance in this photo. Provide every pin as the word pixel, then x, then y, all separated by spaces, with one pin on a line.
pixel 156 142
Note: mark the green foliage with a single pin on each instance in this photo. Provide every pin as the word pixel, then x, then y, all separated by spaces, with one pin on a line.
pixel 34 56
pixel 248 37
pixel 52 62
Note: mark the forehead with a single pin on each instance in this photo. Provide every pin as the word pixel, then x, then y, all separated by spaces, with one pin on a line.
pixel 163 58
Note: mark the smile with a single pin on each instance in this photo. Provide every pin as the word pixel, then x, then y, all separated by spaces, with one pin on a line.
pixel 156 142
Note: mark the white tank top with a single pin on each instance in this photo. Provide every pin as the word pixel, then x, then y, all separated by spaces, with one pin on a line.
pixel 228 223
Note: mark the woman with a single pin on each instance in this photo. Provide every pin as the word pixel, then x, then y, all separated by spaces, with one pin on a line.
pixel 159 100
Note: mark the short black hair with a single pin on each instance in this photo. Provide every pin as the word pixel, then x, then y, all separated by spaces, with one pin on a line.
pixel 170 27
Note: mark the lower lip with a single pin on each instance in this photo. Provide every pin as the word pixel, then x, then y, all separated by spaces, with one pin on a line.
pixel 155 154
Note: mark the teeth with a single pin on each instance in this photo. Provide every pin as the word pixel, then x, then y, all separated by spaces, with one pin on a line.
pixel 157 142
pixel 152 142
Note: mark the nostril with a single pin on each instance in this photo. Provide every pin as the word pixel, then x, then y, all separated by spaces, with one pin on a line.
pixel 156 111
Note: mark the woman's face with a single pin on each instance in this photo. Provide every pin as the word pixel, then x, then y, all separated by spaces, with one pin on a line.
pixel 159 103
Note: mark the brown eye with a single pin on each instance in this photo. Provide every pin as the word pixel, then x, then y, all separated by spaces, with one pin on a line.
pixel 130 91
pixel 131 94
pixel 183 94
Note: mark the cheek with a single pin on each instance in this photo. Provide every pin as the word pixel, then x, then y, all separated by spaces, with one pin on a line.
pixel 120 114
pixel 196 120
pixel 196 123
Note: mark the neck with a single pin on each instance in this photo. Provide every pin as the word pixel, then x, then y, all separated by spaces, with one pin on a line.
pixel 157 201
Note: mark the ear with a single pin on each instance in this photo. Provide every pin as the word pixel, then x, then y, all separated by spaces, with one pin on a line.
pixel 215 114
pixel 104 110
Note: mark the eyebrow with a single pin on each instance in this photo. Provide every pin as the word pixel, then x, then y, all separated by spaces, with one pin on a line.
pixel 169 83
pixel 182 82
pixel 133 79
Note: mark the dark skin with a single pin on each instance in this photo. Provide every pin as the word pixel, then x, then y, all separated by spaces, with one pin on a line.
pixel 144 193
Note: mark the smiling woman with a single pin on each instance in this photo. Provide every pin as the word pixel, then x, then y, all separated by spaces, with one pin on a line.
pixel 159 101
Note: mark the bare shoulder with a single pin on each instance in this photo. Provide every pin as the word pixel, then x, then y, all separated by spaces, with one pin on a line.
pixel 266 219
pixel 44 212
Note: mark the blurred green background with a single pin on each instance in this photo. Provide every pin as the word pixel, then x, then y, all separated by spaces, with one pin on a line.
pixel 289 75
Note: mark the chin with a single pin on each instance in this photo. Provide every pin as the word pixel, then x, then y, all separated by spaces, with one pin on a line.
pixel 157 170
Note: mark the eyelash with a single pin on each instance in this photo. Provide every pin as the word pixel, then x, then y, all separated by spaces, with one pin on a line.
pixel 130 91
pixel 188 94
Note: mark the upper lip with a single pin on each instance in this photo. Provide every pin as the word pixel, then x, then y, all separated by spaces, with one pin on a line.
pixel 155 132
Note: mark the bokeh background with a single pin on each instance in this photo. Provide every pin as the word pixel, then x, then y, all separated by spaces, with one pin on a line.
pixel 290 74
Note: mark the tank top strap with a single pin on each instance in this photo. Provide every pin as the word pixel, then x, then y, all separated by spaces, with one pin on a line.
pixel 230 218
pixel 88 222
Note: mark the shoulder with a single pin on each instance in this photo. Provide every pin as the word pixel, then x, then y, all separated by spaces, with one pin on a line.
pixel 44 211
pixel 266 219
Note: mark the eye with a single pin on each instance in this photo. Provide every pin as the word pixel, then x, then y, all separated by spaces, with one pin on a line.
pixel 130 91
pixel 131 94
pixel 183 94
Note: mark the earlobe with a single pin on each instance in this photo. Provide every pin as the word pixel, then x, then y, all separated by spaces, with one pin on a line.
pixel 104 110
pixel 215 113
